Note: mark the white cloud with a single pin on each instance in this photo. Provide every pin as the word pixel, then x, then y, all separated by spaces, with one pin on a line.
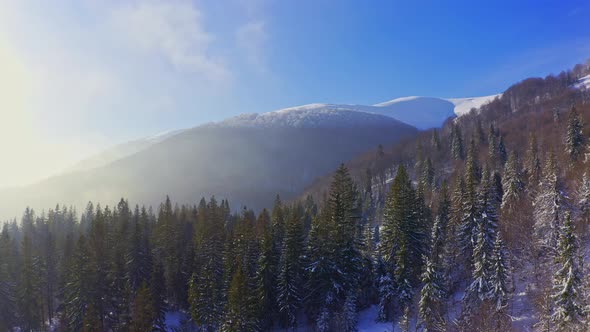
pixel 251 39
pixel 174 30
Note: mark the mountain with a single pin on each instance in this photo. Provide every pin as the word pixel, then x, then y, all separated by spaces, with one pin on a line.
pixel 121 151
pixel 420 112
pixel 248 159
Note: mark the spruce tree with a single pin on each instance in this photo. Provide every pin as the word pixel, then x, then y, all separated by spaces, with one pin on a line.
pixel 456 142
pixel 549 206
pixel 533 161
pixel 568 311
pixel 240 314
pixel 499 278
pixel 402 241
pixel 206 285
pixel 143 313
pixel 7 282
pixel 290 279
pixel 29 288
pixel 512 183
pixel 335 245
pixel 266 273
pixel 487 230
pixel 431 297
pixel 584 202
pixel 574 139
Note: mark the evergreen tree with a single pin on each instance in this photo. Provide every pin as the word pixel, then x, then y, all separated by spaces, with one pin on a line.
pixel 533 161
pixel 435 140
pixel 403 240
pixel 567 281
pixel 29 288
pixel 431 298
pixel 499 278
pixel 335 246
pixel 512 183
pixel 206 285
pixel 456 142
pixel 484 246
pixel 574 139
pixel 584 203
pixel 470 213
pixel 549 206
pixel 240 314
pixel 266 273
pixel 143 311
pixel 7 282
pixel 77 293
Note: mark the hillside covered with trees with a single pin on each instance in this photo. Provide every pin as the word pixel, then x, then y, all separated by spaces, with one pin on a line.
pixel 482 225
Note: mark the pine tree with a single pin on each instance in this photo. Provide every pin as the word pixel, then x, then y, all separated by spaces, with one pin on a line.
pixel 426 176
pixel 205 291
pixel 484 246
pixel 435 140
pixel 456 142
pixel 266 273
pixel 431 297
pixel 574 139
pixel 584 203
pixel 291 267
pixel 7 282
pixel 567 281
pixel 512 183
pixel 533 161
pixel 143 313
pixel 29 288
pixel 403 240
pixel 549 205
pixel 335 246
pixel 499 278
pixel 240 315
pixel 470 213
pixel 77 292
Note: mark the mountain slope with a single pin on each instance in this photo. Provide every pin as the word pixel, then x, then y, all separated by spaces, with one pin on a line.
pixel 247 159
pixel 120 151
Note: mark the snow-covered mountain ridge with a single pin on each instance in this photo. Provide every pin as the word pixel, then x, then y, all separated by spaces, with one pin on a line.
pixel 420 112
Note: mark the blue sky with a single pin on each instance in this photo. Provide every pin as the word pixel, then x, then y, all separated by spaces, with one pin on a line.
pixel 85 74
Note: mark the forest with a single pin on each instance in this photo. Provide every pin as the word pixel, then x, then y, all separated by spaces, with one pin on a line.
pixel 445 231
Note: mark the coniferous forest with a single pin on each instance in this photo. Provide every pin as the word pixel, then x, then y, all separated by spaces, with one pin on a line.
pixel 481 225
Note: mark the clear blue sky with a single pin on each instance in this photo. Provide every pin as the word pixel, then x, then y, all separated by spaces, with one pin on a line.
pixel 85 74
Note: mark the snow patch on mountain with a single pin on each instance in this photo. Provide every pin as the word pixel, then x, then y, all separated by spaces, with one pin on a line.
pixel 583 83
pixel 464 105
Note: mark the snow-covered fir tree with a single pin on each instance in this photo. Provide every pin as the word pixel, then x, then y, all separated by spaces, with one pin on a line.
pixel 500 274
pixel 549 206
pixel 574 139
pixel 470 210
pixel 568 297
pixel 291 268
pixel 432 296
pixel 487 229
pixel 512 183
pixel 584 202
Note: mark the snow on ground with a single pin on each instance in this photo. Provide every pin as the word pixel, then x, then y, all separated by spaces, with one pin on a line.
pixel 175 320
pixel 367 321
